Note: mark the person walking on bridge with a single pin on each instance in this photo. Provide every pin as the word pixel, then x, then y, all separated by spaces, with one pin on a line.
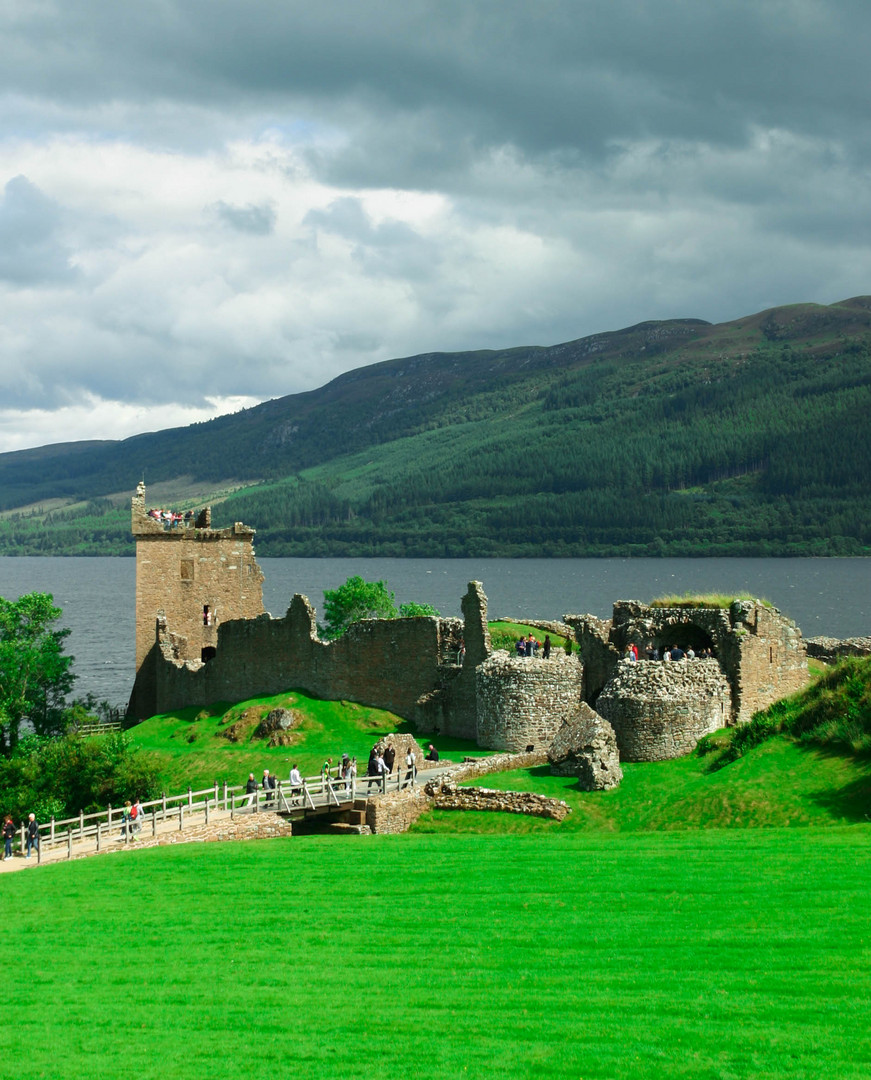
pixel 251 789
pixel 32 834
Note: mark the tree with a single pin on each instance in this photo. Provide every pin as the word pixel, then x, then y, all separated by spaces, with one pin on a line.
pixel 35 675
pixel 412 610
pixel 356 599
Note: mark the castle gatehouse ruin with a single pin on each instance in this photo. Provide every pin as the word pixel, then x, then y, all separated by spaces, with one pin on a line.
pixel 202 636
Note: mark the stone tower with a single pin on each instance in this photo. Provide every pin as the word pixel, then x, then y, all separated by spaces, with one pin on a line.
pixel 193 577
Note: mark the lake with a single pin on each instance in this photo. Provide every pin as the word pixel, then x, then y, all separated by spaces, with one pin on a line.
pixel 823 596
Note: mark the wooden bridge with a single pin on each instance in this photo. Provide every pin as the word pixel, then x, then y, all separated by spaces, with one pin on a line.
pixel 317 797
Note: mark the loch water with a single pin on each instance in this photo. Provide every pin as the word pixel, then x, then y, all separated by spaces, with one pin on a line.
pixel 823 596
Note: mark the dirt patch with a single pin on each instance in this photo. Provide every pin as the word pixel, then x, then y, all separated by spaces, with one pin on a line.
pixel 241 730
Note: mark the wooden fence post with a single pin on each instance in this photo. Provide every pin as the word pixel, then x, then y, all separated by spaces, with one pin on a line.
pixel 69 843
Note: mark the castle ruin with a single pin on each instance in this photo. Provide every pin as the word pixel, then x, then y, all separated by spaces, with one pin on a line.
pixel 202 636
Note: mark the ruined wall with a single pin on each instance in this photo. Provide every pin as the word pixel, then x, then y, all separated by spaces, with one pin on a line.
pixel 450 797
pixel 830 650
pixel 386 663
pixel 772 659
pixel 759 650
pixel 661 710
pixel 599 658
pixel 407 666
pixel 181 571
pixel 523 701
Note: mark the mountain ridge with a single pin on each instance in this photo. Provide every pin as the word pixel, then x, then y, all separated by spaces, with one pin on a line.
pixel 754 397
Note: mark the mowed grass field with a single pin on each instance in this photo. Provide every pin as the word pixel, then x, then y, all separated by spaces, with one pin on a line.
pixel 703 954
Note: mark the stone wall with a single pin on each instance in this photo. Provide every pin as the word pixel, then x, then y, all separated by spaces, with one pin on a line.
pixel 771 661
pixel 830 650
pixel 450 797
pixel 524 701
pixel 661 710
pixel 759 650
pixel 407 666
pixel 398 811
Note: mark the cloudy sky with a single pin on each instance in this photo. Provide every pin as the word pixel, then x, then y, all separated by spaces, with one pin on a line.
pixel 207 203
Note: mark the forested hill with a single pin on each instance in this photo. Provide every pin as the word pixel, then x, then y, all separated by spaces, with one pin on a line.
pixel 673 437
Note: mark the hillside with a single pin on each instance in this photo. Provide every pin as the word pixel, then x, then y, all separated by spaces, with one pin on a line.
pixel 675 437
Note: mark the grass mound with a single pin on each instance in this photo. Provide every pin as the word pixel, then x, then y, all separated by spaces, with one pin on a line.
pixel 705 600
pixel 833 712
pixel 200 746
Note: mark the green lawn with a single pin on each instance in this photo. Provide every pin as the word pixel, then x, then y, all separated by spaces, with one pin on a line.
pixel 707 954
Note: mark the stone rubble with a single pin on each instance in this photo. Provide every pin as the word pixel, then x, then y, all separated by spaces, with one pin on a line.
pixel 586 747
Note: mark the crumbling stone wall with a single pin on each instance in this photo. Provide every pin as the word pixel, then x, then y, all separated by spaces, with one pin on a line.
pixel 661 710
pixel 759 650
pixel 397 811
pixel 771 660
pixel 524 701
pixel 448 796
pixel 830 650
pixel 406 666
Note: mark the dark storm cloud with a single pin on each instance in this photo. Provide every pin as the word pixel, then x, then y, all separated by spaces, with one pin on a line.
pixel 551 78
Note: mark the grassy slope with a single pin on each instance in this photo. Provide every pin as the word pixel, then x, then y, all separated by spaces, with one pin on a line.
pixel 778 784
pixel 196 755
pixel 707 955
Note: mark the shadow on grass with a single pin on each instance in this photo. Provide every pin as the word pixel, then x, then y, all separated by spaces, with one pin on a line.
pixel 852 802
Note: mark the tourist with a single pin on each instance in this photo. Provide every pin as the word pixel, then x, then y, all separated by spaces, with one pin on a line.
pixel 326 768
pixel 352 772
pixel 133 819
pixel 531 646
pixel 389 757
pixel 8 836
pixel 677 653
pixel 268 784
pixel 372 768
pixel 630 655
pixel 690 653
pixel 410 766
pixel 520 647
pixel 31 834
pixel 547 646
pixel 431 753
pixel 295 782
pixel 251 789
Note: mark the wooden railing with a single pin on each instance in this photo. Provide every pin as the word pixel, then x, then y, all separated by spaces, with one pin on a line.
pixel 113 824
